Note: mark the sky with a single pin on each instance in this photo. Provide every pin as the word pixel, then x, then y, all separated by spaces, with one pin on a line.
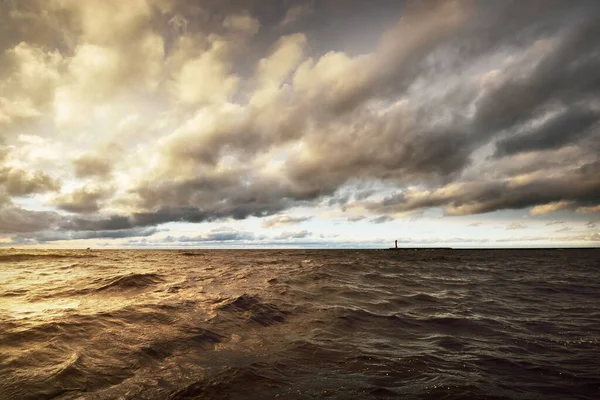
pixel 300 123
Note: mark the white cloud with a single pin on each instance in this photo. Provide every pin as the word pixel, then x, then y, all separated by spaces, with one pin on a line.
pixel 207 78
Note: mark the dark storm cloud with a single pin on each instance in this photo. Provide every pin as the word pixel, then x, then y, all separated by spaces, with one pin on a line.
pixel 82 200
pixel 423 28
pixel 114 222
pixel 219 196
pixel 381 148
pixel 590 169
pixel 17 182
pixel 121 222
pixel 575 187
pixel 163 215
pixel 14 219
pixel 578 188
pixel 568 74
pixel 146 219
pixel 566 128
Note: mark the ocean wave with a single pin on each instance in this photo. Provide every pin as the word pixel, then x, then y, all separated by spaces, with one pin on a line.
pixel 254 309
pixel 113 284
pixel 130 281
pixel 13 292
pixel 19 257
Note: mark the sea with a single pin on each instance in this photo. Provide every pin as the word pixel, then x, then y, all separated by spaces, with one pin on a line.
pixel 300 324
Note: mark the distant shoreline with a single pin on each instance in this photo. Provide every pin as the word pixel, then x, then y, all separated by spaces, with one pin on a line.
pixel 399 249
pixel 491 248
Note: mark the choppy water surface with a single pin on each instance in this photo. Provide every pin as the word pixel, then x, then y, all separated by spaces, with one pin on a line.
pixel 300 324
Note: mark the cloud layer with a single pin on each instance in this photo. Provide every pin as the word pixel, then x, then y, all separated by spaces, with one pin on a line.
pixel 123 119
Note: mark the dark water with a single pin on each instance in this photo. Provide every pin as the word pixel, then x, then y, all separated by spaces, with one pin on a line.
pixel 300 324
